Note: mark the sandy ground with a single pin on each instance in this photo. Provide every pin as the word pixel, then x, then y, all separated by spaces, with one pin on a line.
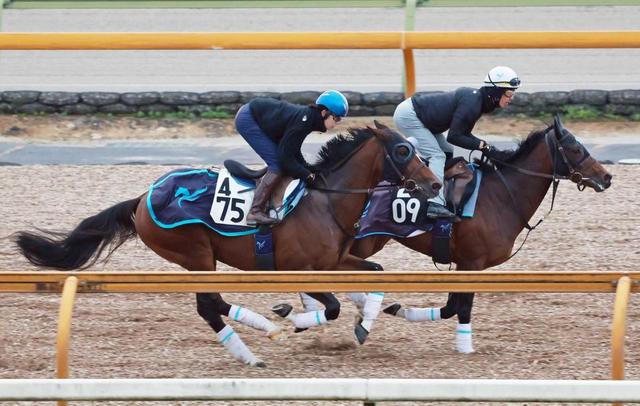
pixel 521 336
pixel 87 128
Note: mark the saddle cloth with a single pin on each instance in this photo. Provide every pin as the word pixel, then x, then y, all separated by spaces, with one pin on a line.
pixel 213 198
pixel 395 213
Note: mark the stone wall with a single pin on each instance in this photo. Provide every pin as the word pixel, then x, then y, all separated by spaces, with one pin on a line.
pixel 620 102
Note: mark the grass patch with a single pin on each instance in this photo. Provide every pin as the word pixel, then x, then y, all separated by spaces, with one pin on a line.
pixel 182 115
pixel 582 113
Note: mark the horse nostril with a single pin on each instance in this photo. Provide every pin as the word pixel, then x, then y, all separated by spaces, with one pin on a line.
pixel 436 186
pixel 607 178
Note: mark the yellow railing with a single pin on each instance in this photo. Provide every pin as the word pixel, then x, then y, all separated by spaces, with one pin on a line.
pixel 406 41
pixel 622 283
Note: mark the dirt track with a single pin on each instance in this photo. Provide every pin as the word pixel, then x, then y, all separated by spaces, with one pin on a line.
pixel 137 335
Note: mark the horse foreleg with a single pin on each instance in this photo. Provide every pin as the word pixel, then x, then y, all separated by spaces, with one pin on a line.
pixel 460 304
pixel 464 338
pixel 312 318
pixel 209 309
pixel 351 262
pixel 368 304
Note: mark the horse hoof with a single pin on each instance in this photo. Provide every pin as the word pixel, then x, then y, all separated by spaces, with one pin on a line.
pixel 258 364
pixel 282 309
pixel 300 330
pixel 392 309
pixel 360 333
pixel 275 335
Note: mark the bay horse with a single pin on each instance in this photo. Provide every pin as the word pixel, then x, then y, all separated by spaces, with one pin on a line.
pixel 512 190
pixel 317 235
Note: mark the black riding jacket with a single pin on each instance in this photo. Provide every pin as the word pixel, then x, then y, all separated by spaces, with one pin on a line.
pixel 288 125
pixel 456 111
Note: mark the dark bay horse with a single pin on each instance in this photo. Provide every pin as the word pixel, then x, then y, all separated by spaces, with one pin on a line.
pixel 317 235
pixel 510 195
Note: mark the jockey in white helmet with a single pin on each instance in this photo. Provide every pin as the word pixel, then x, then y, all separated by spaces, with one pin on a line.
pixel 427 116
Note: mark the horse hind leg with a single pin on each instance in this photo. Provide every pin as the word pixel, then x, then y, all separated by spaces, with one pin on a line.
pixel 209 308
pixel 251 319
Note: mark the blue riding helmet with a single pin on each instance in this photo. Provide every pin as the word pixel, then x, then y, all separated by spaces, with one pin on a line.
pixel 335 102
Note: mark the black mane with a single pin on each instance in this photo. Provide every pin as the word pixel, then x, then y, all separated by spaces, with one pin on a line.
pixel 524 148
pixel 339 147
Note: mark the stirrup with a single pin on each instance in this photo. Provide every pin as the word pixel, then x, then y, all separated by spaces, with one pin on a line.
pixel 260 218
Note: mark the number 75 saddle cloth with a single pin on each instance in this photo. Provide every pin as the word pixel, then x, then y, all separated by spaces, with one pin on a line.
pixel 215 199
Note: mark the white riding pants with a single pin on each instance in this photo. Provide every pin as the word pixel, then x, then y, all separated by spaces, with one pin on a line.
pixel 431 147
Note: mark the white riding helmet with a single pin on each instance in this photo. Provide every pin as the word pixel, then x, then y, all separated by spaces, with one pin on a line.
pixel 502 76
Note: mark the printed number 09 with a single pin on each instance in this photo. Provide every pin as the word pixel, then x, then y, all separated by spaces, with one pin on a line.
pixel 400 207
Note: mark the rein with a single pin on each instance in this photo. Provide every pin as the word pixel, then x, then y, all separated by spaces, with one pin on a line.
pixel 407 182
pixel 555 146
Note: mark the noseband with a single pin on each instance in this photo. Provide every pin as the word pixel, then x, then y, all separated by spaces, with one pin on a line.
pixel 573 171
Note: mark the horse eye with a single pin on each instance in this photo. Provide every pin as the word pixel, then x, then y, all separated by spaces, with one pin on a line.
pixel 403 151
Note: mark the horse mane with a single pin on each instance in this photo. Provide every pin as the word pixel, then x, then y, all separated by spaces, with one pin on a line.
pixel 524 148
pixel 339 147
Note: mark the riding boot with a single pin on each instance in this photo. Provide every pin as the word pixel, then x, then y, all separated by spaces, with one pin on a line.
pixel 438 211
pixel 261 196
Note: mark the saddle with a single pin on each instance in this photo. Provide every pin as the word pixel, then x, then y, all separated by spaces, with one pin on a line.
pixel 459 184
pixel 277 205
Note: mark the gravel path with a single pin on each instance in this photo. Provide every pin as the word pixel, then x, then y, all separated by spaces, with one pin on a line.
pixel 522 336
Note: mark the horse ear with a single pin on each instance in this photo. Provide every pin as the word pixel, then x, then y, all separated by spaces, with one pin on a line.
pixel 557 125
pixel 381 135
pixel 379 125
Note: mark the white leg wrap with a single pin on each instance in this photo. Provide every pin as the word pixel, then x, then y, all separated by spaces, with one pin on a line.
pixel 422 314
pixel 233 343
pixel 371 309
pixel 310 304
pixel 252 319
pixel 309 319
pixel 358 298
pixel 464 342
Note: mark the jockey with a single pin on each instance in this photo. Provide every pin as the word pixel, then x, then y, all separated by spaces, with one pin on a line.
pixel 426 117
pixel 275 130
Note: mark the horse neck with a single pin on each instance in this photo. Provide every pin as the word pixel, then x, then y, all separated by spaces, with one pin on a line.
pixel 528 190
pixel 362 171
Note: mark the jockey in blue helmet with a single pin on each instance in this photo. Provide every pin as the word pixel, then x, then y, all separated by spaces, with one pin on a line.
pixel 275 129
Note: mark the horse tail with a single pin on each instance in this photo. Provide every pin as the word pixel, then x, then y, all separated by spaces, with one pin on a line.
pixel 81 247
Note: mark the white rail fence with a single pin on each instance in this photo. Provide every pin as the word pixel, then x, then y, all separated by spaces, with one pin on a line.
pixel 367 390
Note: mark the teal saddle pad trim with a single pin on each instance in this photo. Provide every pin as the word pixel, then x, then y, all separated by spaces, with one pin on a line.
pixel 184 196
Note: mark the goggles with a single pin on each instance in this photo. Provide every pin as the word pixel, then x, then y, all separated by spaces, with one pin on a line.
pixel 515 82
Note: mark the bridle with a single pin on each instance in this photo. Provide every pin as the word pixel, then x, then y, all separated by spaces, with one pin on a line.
pixel 395 164
pixel 563 168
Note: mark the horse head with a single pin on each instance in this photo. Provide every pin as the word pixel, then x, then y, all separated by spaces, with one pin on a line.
pixel 572 160
pixel 402 165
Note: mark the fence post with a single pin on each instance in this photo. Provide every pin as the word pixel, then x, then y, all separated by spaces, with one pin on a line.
pixel 64 329
pixel 409 73
pixel 618 329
